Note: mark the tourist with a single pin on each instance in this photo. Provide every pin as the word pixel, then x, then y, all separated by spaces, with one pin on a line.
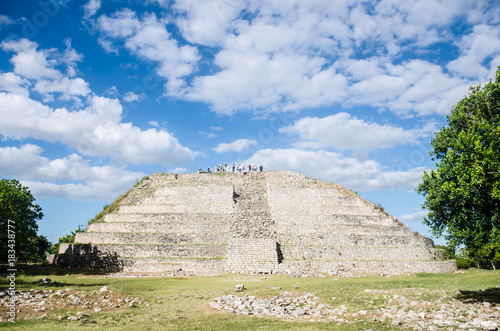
pixel 234 166
pixel 261 167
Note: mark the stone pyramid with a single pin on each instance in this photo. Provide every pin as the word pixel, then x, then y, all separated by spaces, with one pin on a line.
pixel 257 222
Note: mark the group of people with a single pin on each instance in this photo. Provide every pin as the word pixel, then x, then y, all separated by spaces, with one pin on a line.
pixel 234 168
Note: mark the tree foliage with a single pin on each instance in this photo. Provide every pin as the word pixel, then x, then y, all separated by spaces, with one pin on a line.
pixel 17 204
pixel 463 193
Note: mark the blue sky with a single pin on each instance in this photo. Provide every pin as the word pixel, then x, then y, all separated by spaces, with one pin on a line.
pixel 96 94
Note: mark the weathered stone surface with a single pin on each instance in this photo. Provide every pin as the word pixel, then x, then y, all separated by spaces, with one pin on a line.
pixel 279 221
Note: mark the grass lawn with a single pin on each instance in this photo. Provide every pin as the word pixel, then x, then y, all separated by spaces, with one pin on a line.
pixel 183 303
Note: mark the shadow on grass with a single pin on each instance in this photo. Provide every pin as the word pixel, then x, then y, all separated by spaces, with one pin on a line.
pixel 42 270
pixel 491 295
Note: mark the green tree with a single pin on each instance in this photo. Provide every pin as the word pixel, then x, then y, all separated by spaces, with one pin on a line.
pixel 463 193
pixel 37 249
pixel 17 206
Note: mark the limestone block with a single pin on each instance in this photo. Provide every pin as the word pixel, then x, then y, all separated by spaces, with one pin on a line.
pixel 151 238
pixel 189 226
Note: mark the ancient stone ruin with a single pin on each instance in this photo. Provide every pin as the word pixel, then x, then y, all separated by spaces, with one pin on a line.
pixel 260 222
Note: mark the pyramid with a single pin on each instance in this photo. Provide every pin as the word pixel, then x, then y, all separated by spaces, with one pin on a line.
pixel 257 222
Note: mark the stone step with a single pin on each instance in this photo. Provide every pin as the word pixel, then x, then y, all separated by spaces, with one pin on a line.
pixel 151 238
pixel 317 201
pixel 307 209
pixel 342 229
pixel 198 191
pixel 196 266
pixel 338 253
pixel 145 250
pixel 327 220
pixel 190 218
pixel 372 240
pixel 159 227
pixel 334 268
pixel 204 200
pixel 275 192
pixel 220 207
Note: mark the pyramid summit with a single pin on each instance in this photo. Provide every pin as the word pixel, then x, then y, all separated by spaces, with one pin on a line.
pixel 257 222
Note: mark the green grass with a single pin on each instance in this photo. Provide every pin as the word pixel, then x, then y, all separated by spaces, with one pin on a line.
pixel 108 209
pixel 182 303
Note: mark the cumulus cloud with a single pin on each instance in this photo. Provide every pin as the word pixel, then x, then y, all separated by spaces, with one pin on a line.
pixel 83 181
pixel 39 68
pixel 148 38
pixel 91 8
pixel 5 21
pixel 95 130
pixel 271 56
pixel 358 175
pixel 345 132
pixel 235 146
pixel 92 125
pixel 415 217
pixel 481 44
pixel 413 87
pixel 205 22
pixel 131 97
pixel 10 82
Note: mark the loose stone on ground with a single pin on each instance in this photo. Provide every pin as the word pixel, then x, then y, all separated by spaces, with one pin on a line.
pixel 406 310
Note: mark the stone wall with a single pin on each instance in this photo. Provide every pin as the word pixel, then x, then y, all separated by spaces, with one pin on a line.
pixel 258 222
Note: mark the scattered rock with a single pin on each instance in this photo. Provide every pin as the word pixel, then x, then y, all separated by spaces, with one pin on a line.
pixel 36 303
pixel 239 288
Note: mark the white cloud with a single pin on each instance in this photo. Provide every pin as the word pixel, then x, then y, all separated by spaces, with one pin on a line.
pixel 216 128
pixel 205 22
pixel 177 171
pixel 252 81
pixel 111 92
pixel 358 175
pixel 28 62
pixel 10 82
pixel 81 180
pixel 481 44
pixel 235 146
pixel 40 66
pixel 133 97
pixel 344 132
pixel 154 123
pixel 413 87
pixel 92 125
pixel 95 130
pixel 5 21
pixel 149 39
pixel 274 56
pixel 91 8
pixel 68 87
pixel 208 135
pixel 415 217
